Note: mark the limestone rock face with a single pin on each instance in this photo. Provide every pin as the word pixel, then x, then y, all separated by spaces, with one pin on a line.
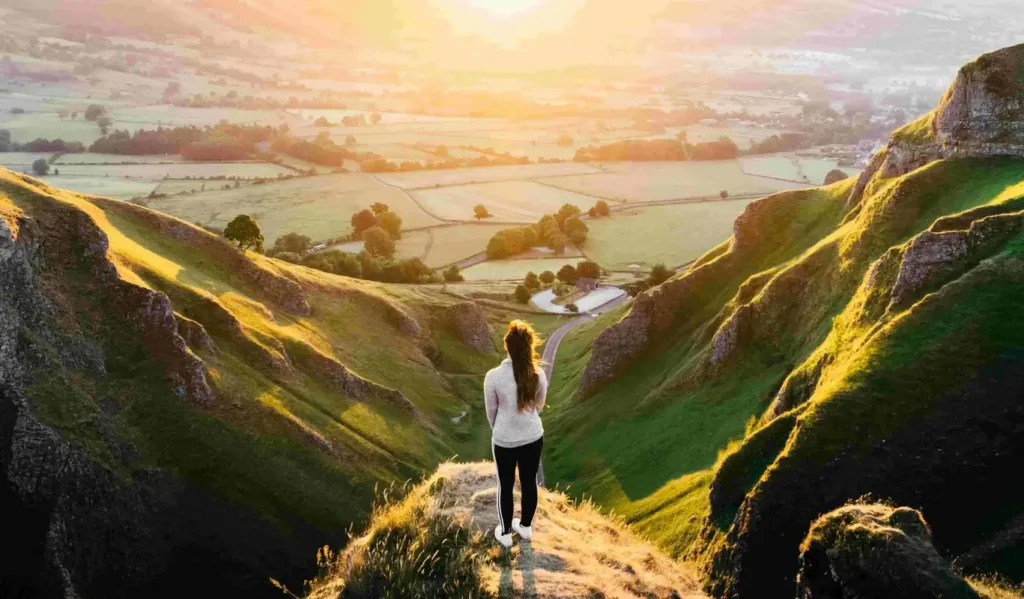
pixel 981 114
pixel 867 551
pixel 471 326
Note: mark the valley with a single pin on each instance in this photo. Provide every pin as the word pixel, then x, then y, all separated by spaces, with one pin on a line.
pixel 256 259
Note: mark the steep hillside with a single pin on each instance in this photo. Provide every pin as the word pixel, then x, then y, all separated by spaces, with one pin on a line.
pixel 173 410
pixel 856 339
pixel 437 541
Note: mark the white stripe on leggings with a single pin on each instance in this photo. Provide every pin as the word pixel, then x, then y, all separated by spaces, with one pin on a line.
pixel 497 497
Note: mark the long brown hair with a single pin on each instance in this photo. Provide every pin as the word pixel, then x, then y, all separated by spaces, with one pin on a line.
pixel 521 344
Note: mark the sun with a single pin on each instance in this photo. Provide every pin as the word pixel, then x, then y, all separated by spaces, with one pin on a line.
pixel 504 9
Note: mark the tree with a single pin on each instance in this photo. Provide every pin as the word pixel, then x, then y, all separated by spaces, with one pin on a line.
pixel 244 231
pixel 558 242
pixel 292 243
pixel 601 208
pixel 547 277
pixel 322 122
pixel 572 308
pixel 723 194
pixel 104 122
pixel 94 111
pixel 350 140
pixel 379 207
pixel 41 167
pixel 452 274
pixel 588 270
pixel 390 222
pixel 835 176
pixel 379 243
pixel 522 294
pixel 576 230
pixel 565 212
pixel 565 141
pixel 659 274
pixel 568 275
pixel 441 151
pixel 375 118
pixel 62 114
pixel 414 270
pixel 361 221
pixel 480 212
pixel 531 281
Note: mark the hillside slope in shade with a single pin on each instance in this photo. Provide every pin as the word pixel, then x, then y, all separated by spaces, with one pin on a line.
pixel 849 340
pixel 172 406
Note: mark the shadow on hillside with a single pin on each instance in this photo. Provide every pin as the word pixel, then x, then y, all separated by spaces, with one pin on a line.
pixel 527 562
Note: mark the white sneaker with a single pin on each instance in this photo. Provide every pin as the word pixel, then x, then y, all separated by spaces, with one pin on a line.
pixel 505 540
pixel 525 532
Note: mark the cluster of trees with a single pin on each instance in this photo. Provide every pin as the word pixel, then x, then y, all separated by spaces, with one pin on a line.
pixel 378 215
pixel 357 120
pixel 787 142
pixel 370 264
pixel 599 210
pixel 658 149
pixel 38 145
pixel 566 276
pixel 221 142
pixel 555 231
pixel 366 266
pixel 658 275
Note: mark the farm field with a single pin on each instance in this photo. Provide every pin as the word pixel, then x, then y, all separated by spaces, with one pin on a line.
pixel 656 181
pixel 463 176
pixel 458 242
pixel 21 161
pixel 512 270
pixel 791 167
pixel 33 125
pixel 180 170
pixel 507 201
pixel 93 158
pixel 320 206
pixel 111 187
pixel 671 235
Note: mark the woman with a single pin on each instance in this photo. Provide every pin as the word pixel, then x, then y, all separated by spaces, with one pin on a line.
pixel 514 394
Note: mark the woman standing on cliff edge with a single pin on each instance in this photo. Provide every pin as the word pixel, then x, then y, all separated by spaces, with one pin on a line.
pixel 514 394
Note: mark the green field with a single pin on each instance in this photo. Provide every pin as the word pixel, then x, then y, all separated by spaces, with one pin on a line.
pixel 180 170
pixel 21 161
pixel 507 201
pixel 671 235
pixel 319 207
pixel 462 176
pixel 112 187
pixel 454 243
pixel 793 168
pixel 653 181
pixel 92 158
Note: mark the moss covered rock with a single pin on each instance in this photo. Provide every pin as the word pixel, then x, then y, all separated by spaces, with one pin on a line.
pixel 867 551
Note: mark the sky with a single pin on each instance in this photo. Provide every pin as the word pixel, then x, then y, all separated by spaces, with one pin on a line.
pixel 508 22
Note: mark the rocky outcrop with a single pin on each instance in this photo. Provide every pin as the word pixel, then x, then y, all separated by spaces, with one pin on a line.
pixel 84 514
pixel 279 290
pixel 470 324
pixel 195 335
pixel 931 258
pixel 981 114
pixel 868 551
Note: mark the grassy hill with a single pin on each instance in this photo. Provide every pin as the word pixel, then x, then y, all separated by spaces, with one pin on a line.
pixel 219 415
pixel 854 339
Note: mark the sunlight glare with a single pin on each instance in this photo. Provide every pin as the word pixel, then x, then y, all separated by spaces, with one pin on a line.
pixel 505 8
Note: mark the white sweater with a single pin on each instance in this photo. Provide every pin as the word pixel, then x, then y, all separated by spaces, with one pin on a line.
pixel 509 426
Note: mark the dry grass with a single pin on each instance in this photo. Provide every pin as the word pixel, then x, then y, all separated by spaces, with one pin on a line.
pixel 576 551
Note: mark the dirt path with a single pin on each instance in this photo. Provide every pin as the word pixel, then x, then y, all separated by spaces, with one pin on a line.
pixel 555 339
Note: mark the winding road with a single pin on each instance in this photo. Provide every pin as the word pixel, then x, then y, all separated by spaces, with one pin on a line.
pixel 553 341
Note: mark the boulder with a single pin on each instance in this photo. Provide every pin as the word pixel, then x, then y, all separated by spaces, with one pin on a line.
pixel 868 551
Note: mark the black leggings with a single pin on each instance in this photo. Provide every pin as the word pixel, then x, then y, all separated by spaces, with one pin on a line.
pixel 527 457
